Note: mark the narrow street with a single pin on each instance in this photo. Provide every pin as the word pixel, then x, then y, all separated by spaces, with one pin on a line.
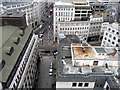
pixel 44 80
pixel 46 44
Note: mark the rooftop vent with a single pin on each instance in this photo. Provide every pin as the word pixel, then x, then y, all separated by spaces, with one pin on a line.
pixel 9 50
pixel 2 64
pixel 22 32
pixel 9 13
pixel 16 40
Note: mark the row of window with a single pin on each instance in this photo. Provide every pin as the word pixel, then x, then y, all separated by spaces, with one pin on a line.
pixel 83 11
pixel 94 30
pixel 85 35
pixel 64 14
pixel 96 27
pixel 64 19
pixel 65 9
pixel 80 84
pixel 83 8
pixel 74 24
pixel 113 31
pixel 81 14
pixel 81 28
pixel 110 36
pixel 17 5
pixel 104 42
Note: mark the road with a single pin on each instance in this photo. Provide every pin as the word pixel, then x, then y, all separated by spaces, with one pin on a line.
pixel 44 80
pixel 46 43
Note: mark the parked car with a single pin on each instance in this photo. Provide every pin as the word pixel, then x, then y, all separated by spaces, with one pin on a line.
pixel 51 65
pixel 41 35
pixel 50 71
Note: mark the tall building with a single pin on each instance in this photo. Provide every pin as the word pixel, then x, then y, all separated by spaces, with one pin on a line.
pixel 14 18
pixel 32 9
pixel 62 12
pixel 18 60
pixel 79 28
pixel 82 9
pixel 84 67
pixel 95 27
pixel 111 35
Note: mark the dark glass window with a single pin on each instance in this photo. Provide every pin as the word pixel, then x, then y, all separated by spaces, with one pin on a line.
pixel 86 84
pixel 74 84
pixel 114 38
pixel 95 63
pixel 80 84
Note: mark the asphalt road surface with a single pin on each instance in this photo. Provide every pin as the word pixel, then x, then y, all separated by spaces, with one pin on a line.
pixel 44 80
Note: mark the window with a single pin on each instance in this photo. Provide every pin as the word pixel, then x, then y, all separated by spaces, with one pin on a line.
pixel 86 84
pixel 106 33
pixel 107 44
pixel 56 13
pixel 80 84
pixel 117 32
pixel 113 31
pixel 117 45
pixel 118 40
pixel 95 63
pixel 104 42
pixel 110 35
pixel 105 38
pixel 113 43
pixel 74 84
pixel 5 22
pixel 114 38
pixel 109 29
pixel 108 40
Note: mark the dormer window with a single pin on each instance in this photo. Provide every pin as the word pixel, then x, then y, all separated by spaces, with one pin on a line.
pixel 16 40
pixel 9 50
pixel 2 64
pixel 22 32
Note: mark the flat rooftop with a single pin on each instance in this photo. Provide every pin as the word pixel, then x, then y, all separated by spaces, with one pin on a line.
pixel 66 72
pixel 12 14
pixel 63 4
pixel 103 53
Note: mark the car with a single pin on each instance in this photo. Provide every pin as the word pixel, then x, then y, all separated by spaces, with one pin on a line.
pixel 50 71
pixel 41 35
pixel 51 65
pixel 42 32
pixel 49 26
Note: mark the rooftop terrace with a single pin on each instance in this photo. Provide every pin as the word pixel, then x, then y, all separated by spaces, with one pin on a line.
pixel 96 52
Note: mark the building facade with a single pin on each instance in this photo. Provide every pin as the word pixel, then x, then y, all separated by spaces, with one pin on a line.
pixel 111 35
pixel 78 70
pixel 95 27
pixel 32 9
pixel 19 57
pixel 14 19
pixel 62 12
pixel 79 28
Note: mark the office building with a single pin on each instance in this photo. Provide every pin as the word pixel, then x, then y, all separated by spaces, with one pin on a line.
pixel 18 60
pixel 87 67
pixel 111 36
pixel 32 9
pixel 14 19
pixel 96 21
